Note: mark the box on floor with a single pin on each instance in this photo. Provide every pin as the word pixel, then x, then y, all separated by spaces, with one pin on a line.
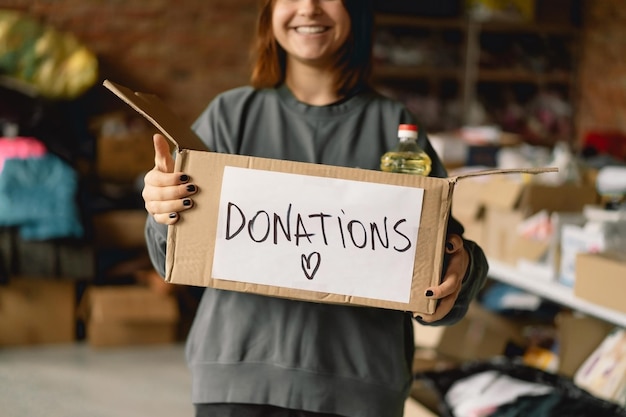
pixel 429 360
pixel 129 315
pixel 37 311
pixel 481 334
pixel 413 408
pixel 578 337
pixel 604 372
pixel 120 229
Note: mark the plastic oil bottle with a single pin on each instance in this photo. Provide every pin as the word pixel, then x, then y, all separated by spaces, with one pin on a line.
pixel 408 157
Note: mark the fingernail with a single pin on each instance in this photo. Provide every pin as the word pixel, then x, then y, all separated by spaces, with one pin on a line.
pixel 173 215
pixel 418 317
pixel 449 246
pixel 184 178
pixel 429 293
pixel 191 188
pixel 186 202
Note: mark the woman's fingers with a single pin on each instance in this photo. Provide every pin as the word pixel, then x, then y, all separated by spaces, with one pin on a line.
pixel 444 306
pixel 162 187
pixel 155 207
pixel 166 193
pixel 448 291
pixel 163 160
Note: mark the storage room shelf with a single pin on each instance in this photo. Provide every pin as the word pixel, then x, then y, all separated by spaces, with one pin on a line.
pixel 538 28
pixel 386 71
pixel 553 291
pixel 394 20
pixel 464 61
pixel 520 76
pixel 383 71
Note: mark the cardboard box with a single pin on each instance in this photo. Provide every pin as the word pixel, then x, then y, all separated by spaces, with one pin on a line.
pixel 356 224
pixel 500 235
pixel 529 198
pixel 468 208
pixel 120 229
pixel 578 337
pixel 480 335
pixel 601 279
pixel 37 311
pixel 575 240
pixel 413 408
pixel 122 152
pixel 603 374
pixel 129 315
pixel 507 203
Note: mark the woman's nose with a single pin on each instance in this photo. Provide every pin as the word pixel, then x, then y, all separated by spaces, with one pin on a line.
pixel 310 7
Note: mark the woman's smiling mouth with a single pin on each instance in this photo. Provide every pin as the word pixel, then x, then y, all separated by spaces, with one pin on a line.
pixel 311 29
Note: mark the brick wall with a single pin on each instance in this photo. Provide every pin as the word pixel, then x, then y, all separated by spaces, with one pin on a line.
pixel 602 102
pixel 186 51
pixel 189 50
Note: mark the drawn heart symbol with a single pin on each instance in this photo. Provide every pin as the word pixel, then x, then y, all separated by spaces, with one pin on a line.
pixel 306 264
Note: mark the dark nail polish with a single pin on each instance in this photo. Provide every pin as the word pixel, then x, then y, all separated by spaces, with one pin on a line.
pixel 184 178
pixel 173 215
pixel 191 188
pixel 418 317
pixel 429 293
pixel 186 202
pixel 449 246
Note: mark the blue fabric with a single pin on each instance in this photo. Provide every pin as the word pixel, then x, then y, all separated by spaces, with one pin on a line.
pixel 37 195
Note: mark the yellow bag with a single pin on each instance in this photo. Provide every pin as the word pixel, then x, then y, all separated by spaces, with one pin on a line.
pixel 54 63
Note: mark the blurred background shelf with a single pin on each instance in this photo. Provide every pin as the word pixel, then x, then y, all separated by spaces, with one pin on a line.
pixel 553 291
pixel 453 70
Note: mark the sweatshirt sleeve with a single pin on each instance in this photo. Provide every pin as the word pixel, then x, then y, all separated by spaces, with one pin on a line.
pixel 156 240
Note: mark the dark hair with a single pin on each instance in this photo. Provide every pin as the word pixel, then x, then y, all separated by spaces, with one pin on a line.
pixel 353 60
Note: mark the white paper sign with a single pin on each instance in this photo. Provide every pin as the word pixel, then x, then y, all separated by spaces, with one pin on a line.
pixel 319 234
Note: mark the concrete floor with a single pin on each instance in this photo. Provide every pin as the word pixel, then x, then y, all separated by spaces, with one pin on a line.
pixel 76 380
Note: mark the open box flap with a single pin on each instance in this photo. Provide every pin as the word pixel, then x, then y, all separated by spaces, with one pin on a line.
pixel 503 171
pixel 152 108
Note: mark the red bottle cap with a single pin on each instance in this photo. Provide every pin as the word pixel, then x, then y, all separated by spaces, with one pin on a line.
pixel 408 127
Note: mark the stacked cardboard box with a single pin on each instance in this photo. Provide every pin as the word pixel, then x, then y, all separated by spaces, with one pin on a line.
pixel 578 336
pixel 122 229
pixel 492 207
pixel 37 311
pixel 124 150
pixel 129 315
pixel 481 334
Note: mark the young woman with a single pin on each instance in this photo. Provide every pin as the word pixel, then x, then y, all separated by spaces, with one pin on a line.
pixel 253 355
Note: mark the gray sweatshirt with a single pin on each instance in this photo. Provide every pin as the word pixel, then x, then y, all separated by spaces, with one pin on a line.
pixel 246 348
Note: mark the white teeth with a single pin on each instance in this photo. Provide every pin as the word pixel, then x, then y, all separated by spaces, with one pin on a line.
pixel 310 29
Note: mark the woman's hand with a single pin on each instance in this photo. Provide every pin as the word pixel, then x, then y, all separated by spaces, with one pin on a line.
pixel 448 291
pixel 166 193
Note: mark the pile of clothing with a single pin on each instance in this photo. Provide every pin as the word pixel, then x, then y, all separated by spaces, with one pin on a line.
pixel 504 387
pixel 37 191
